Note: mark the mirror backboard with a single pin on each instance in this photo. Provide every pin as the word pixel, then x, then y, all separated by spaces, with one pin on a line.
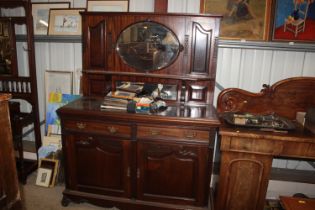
pixel 148 46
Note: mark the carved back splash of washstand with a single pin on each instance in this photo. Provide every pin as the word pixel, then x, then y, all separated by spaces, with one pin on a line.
pixel 284 98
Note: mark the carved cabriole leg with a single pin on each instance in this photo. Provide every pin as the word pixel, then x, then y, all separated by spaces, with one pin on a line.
pixel 65 201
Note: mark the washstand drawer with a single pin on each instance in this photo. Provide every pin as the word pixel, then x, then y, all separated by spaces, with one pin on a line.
pixel 151 132
pixel 99 128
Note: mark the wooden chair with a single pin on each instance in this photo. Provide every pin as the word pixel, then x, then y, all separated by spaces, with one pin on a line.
pixel 21 87
pixel 297 25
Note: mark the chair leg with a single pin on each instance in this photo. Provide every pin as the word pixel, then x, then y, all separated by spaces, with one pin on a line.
pixel 21 168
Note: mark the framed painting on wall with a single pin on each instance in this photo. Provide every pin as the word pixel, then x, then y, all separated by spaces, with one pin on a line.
pixel 108 6
pixel 242 19
pixel 65 22
pixel 294 21
pixel 40 12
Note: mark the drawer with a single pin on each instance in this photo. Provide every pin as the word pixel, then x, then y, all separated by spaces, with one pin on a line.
pixel 262 146
pixel 151 132
pixel 99 128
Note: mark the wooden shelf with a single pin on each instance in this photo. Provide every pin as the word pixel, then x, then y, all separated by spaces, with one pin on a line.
pixel 292 175
pixel 52 38
pixel 283 46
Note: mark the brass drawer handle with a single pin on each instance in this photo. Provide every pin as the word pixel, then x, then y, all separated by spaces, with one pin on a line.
pixel 112 129
pixel 85 142
pixel 81 125
pixel 155 132
pixel 191 135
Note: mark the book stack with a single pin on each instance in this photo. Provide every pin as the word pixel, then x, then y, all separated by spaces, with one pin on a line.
pixel 114 103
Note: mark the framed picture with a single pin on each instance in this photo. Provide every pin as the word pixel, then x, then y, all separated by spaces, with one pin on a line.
pixel 40 12
pixel 108 6
pixel 242 19
pixel 43 177
pixel 294 20
pixel 55 101
pixel 65 22
pixel 59 82
pixel 53 165
pixel 56 82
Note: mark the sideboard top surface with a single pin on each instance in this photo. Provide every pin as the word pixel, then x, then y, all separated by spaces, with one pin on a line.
pixel 89 108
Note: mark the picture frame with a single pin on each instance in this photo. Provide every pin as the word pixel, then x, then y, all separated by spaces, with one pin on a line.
pixel 242 19
pixel 53 165
pixel 43 177
pixel 58 81
pixel 65 21
pixel 289 22
pixel 40 12
pixel 107 6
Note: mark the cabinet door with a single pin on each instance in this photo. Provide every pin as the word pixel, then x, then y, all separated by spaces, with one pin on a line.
pixel 243 181
pixel 94 43
pixel 173 173
pixel 98 164
pixel 202 53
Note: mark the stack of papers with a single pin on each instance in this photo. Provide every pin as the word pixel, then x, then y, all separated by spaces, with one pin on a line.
pixel 114 103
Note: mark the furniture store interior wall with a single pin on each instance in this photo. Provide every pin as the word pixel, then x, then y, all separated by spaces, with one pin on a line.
pixel 239 65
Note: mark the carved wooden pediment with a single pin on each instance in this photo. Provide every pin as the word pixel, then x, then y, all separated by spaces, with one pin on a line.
pixel 283 98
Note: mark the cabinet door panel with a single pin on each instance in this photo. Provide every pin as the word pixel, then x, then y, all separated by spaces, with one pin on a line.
pixel 100 165
pixel 94 43
pixel 243 181
pixel 202 55
pixel 172 173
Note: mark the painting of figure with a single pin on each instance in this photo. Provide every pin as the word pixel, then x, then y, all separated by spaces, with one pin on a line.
pixel 294 20
pixel 242 19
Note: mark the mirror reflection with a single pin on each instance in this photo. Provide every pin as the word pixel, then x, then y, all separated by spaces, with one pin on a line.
pixel 5 48
pixel 147 46
pixel 166 91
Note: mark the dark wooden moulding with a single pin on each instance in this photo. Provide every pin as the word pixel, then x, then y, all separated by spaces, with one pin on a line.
pixel 143 161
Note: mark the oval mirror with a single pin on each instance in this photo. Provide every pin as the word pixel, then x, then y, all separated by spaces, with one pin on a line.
pixel 147 46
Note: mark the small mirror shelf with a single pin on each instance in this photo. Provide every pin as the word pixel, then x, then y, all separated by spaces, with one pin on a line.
pixel 167 92
pixel 148 46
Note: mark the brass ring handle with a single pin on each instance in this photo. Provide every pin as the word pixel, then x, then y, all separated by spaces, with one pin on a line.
pixel 191 135
pixel 81 125
pixel 112 129
pixel 155 132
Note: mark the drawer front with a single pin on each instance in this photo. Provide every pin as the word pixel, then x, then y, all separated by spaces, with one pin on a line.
pixel 99 128
pixel 172 133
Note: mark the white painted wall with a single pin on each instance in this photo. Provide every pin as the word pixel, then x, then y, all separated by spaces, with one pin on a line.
pixel 68 56
pixel 243 68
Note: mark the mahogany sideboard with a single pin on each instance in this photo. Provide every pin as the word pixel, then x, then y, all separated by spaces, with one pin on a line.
pixel 247 154
pixel 138 161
